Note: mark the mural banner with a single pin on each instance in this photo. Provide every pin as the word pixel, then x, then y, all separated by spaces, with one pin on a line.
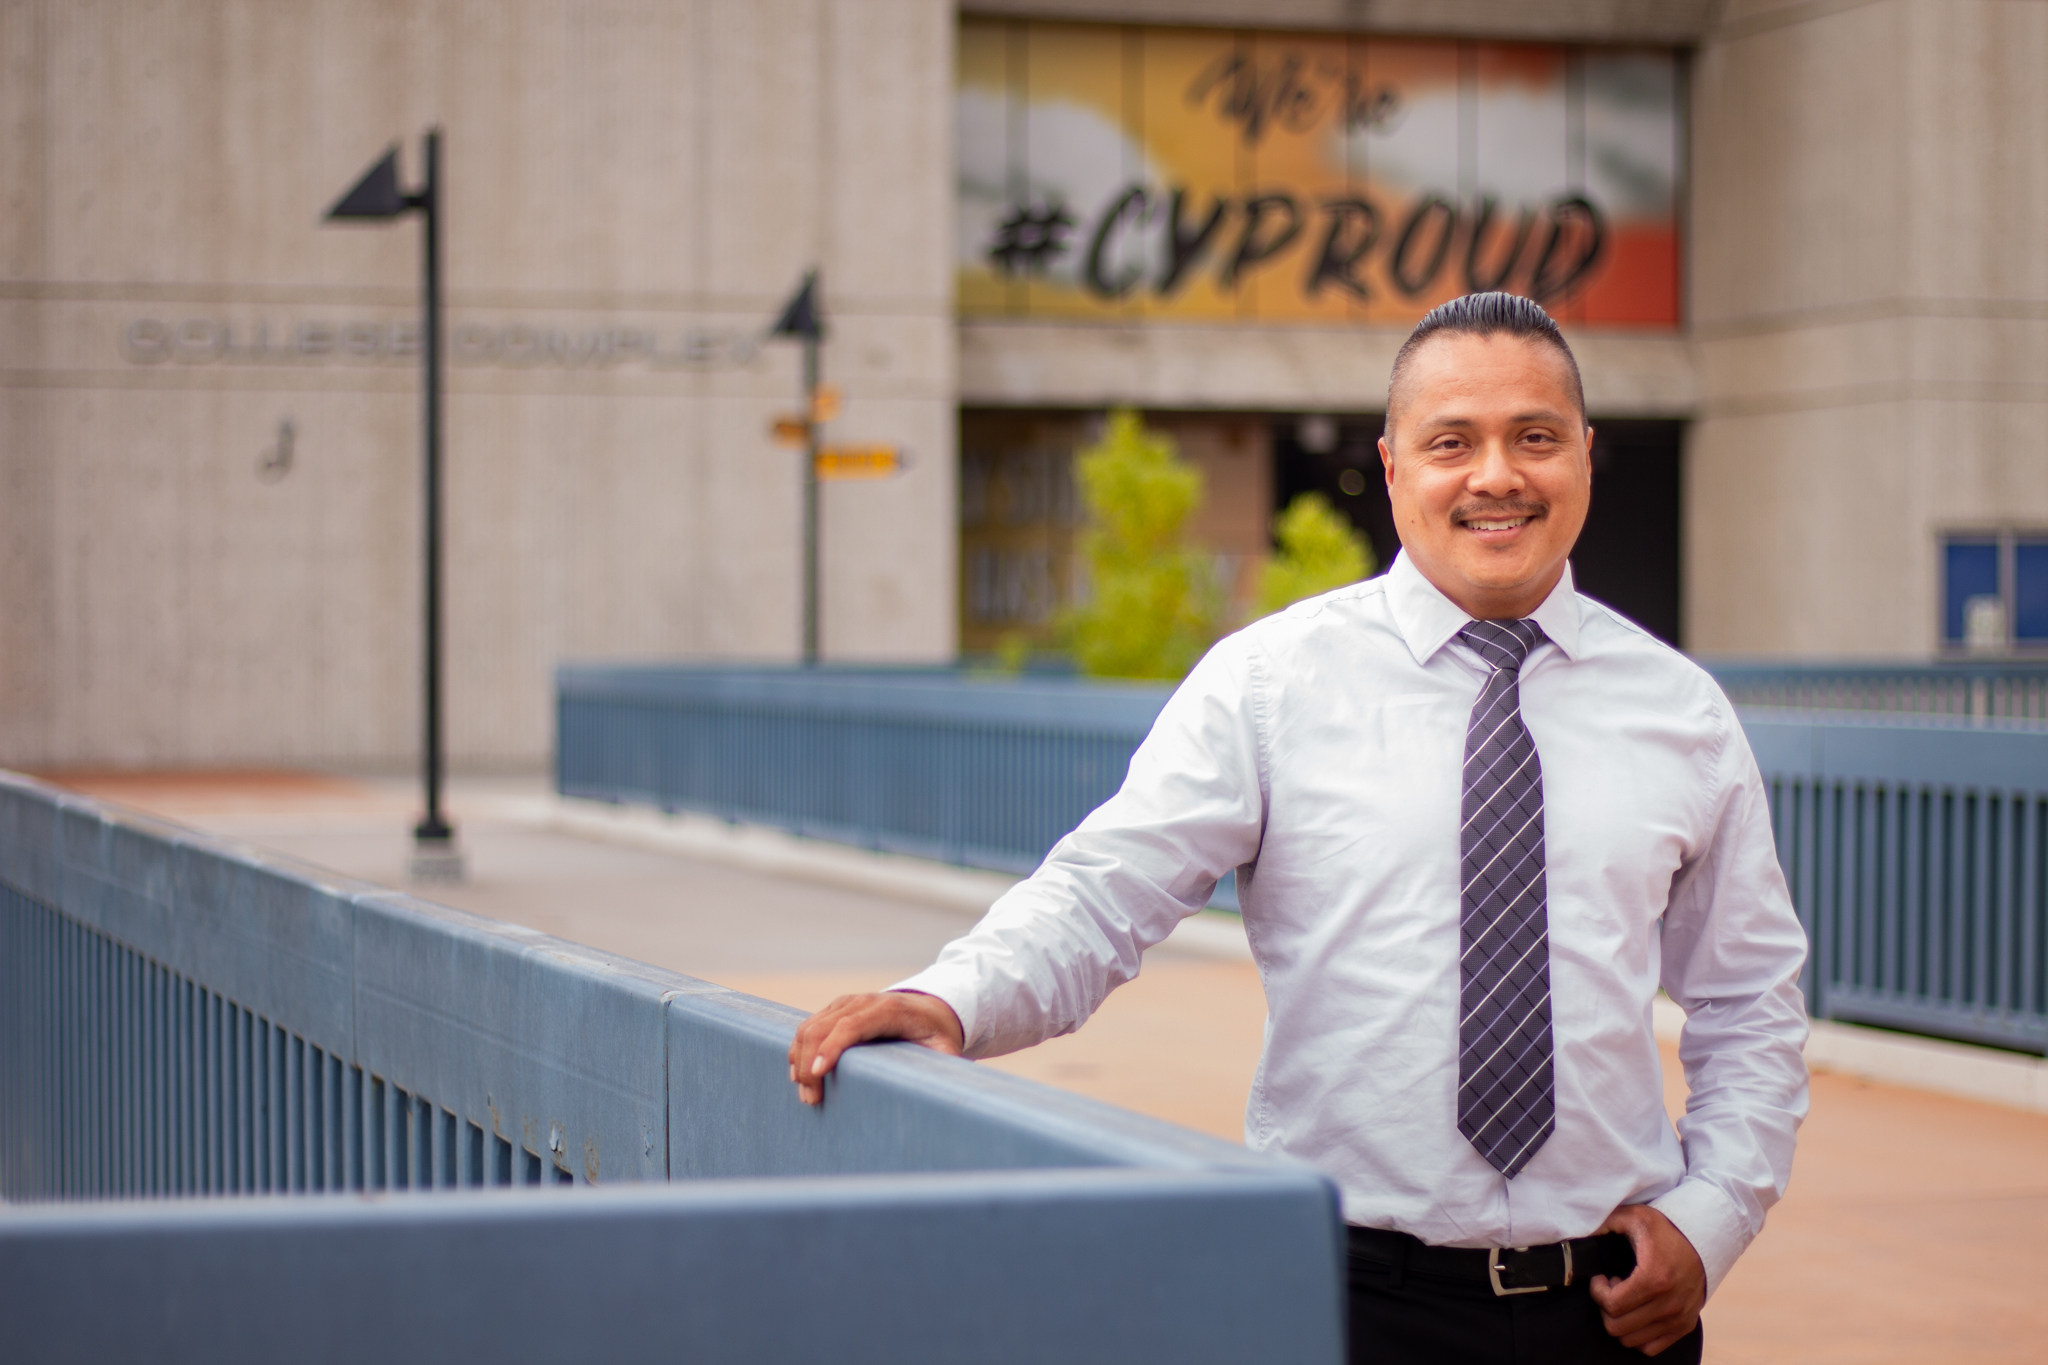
pixel 1123 173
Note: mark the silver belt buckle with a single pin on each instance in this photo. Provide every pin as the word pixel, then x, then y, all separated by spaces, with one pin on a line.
pixel 1494 1267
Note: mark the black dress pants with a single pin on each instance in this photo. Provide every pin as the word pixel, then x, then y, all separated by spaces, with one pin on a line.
pixel 1409 1319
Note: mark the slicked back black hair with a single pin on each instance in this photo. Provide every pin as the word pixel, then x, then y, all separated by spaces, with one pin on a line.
pixel 1487 315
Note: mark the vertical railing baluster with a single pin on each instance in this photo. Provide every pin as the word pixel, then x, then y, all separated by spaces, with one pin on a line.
pixel 134 1136
pixel 29 971
pixel 302 1123
pixel 1863 906
pixel 106 1023
pixel 1827 830
pixel 1891 957
pixel 356 1131
pixel 42 953
pixel 209 1094
pixel 252 1127
pixel 126 1127
pixel 451 1175
pixel 176 1078
pixel 98 1080
pixel 65 1096
pixel 202 1147
pixel 1987 890
pixel 221 1113
pixel 1955 892
pixel 15 1038
pixel 1969 893
pixel 383 1117
pixel 324 1096
pixel 2005 947
pixel 78 1118
pixel 125 1109
pixel 284 1109
pixel 422 1142
pixel 44 1183
pixel 235 1103
pixel 86 1007
pixel 2033 983
pixel 324 1122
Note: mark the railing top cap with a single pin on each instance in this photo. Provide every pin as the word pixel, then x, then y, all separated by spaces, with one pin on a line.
pixel 1946 669
pixel 1027 699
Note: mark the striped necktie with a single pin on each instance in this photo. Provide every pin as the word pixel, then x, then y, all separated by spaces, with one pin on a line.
pixel 1506 1094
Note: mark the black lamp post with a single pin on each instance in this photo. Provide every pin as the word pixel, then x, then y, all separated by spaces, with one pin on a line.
pixel 376 197
pixel 803 318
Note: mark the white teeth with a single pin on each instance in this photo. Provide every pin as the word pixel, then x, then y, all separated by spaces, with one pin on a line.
pixel 1497 525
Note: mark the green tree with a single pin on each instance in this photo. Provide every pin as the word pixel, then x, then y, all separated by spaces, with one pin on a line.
pixel 1153 606
pixel 1319 550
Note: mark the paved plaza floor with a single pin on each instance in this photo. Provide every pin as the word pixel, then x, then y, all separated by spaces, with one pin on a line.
pixel 1916 1228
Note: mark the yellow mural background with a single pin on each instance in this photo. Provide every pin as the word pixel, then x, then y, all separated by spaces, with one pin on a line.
pixel 1068 118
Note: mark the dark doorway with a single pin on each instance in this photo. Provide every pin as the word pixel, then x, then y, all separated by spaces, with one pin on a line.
pixel 1627 557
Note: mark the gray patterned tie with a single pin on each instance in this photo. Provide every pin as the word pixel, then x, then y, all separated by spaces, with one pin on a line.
pixel 1506 1097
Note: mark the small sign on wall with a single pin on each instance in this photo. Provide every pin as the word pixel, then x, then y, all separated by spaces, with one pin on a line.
pixel 859 462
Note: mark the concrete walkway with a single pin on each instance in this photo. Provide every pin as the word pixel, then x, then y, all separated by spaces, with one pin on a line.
pixel 1915 1229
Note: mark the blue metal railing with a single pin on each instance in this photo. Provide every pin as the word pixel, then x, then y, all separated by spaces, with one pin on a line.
pixel 978 772
pixel 1980 689
pixel 183 1016
pixel 1917 854
pixel 1917 869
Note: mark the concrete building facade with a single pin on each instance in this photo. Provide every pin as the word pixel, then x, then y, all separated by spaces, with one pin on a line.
pixel 209 469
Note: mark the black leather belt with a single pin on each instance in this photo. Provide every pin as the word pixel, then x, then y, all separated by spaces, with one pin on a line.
pixel 1506 1270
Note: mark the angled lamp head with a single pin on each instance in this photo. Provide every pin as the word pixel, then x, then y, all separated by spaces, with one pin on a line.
pixel 374 196
pixel 801 317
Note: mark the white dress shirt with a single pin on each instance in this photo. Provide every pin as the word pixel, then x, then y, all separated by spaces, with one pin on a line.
pixel 1320 753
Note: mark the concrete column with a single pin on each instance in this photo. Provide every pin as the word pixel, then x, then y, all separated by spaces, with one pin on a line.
pixel 1869 255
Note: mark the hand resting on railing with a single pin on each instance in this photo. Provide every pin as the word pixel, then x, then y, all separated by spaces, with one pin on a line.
pixel 853 1019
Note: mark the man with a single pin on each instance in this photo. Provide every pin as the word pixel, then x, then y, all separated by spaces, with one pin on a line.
pixel 1477 821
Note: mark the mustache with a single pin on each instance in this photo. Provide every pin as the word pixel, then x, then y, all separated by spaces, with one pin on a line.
pixel 1491 510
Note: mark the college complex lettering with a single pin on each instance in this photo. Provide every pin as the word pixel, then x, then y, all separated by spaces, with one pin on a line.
pixel 207 341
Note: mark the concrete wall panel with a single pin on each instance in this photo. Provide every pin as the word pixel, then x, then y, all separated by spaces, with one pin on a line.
pixel 1640 21
pixel 632 189
pixel 1871 307
pixel 1284 369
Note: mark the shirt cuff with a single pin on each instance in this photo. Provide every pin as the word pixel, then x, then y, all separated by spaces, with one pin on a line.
pixel 1710 1221
pixel 956 988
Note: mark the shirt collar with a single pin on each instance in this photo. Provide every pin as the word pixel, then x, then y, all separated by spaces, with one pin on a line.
pixel 1428 620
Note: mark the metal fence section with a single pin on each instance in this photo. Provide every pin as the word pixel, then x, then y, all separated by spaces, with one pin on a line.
pixel 1918 868
pixel 186 1017
pixel 978 772
pixel 1983 690
pixel 1918 857
pixel 183 1016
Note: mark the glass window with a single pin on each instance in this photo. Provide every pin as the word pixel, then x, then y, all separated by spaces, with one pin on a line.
pixel 1971 603
pixel 2030 592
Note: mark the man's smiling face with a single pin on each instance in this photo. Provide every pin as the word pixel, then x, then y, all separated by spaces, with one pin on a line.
pixel 1489 469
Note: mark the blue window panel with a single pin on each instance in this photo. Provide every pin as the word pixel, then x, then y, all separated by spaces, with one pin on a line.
pixel 2030 591
pixel 1970 569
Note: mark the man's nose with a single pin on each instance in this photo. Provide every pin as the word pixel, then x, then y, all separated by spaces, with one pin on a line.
pixel 1495 474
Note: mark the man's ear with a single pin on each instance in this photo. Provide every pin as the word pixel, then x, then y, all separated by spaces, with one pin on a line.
pixel 1589 452
pixel 1387 460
